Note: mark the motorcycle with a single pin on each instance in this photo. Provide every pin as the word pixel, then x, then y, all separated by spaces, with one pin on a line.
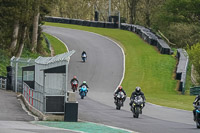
pixel 83 91
pixel 197 116
pixel 136 106
pixel 119 100
pixel 84 57
pixel 74 85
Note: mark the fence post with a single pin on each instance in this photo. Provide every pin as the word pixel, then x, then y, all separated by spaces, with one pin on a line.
pixel 43 95
pixel 29 95
pixel 0 83
pixel 26 92
pixel 5 84
pixel 32 97
pixel 16 73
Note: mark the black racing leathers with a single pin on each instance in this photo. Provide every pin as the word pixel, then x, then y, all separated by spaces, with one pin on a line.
pixel 74 79
pixel 196 103
pixel 134 94
pixel 116 92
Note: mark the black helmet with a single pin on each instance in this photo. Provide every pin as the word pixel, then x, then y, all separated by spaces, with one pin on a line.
pixel 138 89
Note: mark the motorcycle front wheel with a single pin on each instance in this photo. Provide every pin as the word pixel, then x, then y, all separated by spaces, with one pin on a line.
pixel 198 124
pixel 136 112
pixel 82 95
pixel 118 107
pixel 74 88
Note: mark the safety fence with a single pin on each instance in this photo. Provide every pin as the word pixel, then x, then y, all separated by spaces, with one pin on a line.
pixel 81 22
pixel 34 97
pixel 148 35
pixel 44 101
pixel 3 83
pixel 143 32
pixel 195 90
pixel 181 70
pixel 16 65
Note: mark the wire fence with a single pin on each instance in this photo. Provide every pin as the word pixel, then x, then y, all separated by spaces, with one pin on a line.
pixel 35 97
pixel 16 74
pixel 3 83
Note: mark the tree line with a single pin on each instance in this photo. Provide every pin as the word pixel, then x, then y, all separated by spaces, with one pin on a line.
pixel 177 20
pixel 21 20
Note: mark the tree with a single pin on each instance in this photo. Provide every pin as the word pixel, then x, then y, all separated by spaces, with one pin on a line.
pixel 146 11
pixel 194 55
pixel 132 5
pixel 8 13
pixel 36 15
pixel 26 14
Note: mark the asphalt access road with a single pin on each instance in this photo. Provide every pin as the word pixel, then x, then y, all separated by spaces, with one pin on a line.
pixel 103 72
pixel 13 119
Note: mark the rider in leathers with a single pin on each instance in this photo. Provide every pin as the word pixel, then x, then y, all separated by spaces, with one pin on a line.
pixel 74 79
pixel 196 103
pixel 84 54
pixel 120 89
pixel 137 92
pixel 84 83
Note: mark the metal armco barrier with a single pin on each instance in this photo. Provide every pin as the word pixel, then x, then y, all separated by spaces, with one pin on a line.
pixel 2 83
pixel 145 33
pixel 181 70
pixel 195 90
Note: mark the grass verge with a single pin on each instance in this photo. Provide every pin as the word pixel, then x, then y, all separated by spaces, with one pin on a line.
pixel 4 61
pixel 145 67
pixel 57 45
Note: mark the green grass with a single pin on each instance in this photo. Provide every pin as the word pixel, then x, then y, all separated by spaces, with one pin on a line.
pixel 57 45
pixel 4 61
pixel 145 67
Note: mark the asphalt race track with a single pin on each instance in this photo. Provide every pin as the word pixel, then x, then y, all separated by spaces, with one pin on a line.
pixel 103 71
pixel 13 119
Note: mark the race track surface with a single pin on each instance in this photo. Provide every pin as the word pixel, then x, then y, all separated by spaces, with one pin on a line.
pixel 103 72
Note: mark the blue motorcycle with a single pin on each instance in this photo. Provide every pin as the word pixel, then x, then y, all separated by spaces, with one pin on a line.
pixel 198 116
pixel 83 91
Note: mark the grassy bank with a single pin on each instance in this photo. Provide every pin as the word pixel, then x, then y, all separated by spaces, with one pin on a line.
pixel 145 67
pixel 56 44
pixel 4 61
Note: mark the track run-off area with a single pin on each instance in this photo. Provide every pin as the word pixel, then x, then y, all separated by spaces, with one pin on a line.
pixel 103 71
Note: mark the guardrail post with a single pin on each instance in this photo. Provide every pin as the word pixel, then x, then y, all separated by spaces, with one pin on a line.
pixel 0 83
pixel 32 97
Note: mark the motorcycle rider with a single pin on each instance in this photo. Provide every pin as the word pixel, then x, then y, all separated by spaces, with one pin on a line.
pixel 196 103
pixel 137 92
pixel 74 80
pixel 119 89
pixel 84 83
pixel 84 54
